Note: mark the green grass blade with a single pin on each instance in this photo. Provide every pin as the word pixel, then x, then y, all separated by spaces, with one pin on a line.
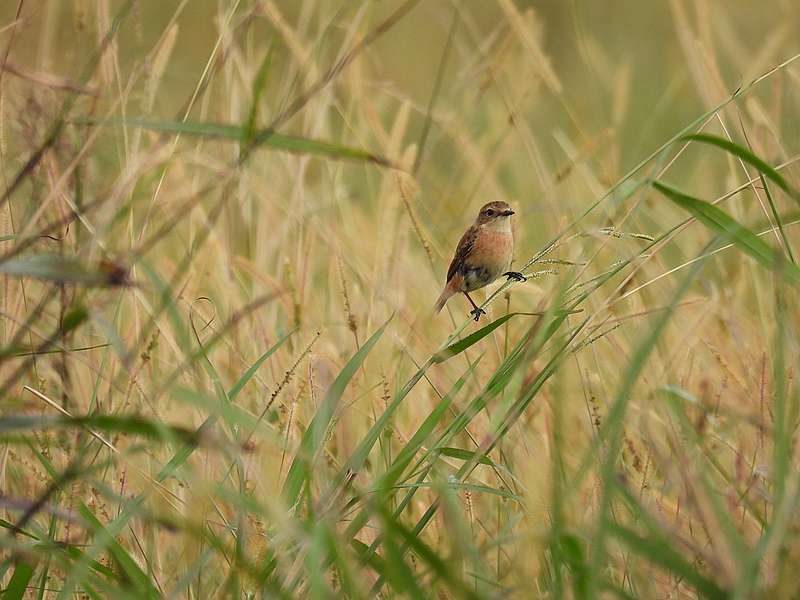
pixel 18 584
pixel 748 157
pixel 130 424
pixel 315 434
pixel 407 453
pixel 741 236
pixel 274 141
pixel 356 460
pixel 613 426
pixel 441 567
pixel 260 83
pixel 570 547
pixel 777 217
pixel 462 454
pixel 667 558
pixel 396 572
pixel 133 573
pixel 248 375
pixel 55 268
pixel 473 338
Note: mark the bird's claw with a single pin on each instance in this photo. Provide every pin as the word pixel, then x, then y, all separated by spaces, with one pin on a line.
pixel 476 314
pixel 515 275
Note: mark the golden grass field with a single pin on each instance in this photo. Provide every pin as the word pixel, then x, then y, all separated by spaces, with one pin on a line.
pixel 223 227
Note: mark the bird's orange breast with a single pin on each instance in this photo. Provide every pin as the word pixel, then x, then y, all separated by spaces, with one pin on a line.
pixel 492 249
pixel 490 257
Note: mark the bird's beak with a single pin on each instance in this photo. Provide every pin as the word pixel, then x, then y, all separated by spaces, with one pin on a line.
pixel 507 213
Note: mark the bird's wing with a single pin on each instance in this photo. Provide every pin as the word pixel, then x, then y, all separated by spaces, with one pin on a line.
pixel 462 251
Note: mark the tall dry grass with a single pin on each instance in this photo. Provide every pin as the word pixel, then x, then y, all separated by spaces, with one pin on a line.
pixel 223 228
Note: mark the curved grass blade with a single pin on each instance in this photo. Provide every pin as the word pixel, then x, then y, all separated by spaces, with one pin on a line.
pixel 260 82
pixel 315 434
pixel 612 428
pixel 18 584
pixel 184 452
pixel 748 157
pixel 741 236
pixel 359 456
pixel 356 460
pixel 133 573
pixel 59 269
pixel 461 454
pixel 248 375
pixel 442 568
pixel 475 337
pixel 666 557
pixel 119 424
pixel 777 217
pixel 235 133
pixel 407 453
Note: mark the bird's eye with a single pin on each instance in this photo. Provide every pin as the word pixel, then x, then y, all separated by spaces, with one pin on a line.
pixel 489 212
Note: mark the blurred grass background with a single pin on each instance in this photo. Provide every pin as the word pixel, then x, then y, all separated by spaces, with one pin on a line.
pixel 241 337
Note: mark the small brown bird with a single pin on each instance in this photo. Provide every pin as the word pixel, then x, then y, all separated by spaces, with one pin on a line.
pixel 483 254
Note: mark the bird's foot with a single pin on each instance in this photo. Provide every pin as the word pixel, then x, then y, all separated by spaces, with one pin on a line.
pixel 515 275
pixel 476 314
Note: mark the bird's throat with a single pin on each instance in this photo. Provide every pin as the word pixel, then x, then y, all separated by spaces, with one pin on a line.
pixel 499 225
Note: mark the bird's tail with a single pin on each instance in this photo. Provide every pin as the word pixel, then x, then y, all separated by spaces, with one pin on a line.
pixel 446 293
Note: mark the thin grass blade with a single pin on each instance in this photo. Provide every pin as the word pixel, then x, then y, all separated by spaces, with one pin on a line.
pixel 742 237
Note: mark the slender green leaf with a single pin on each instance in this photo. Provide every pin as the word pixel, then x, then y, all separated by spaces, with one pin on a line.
pixel 741 236
pixel 73 319
pixel 18 584
pixel 248 375
pixel 56 268
pixel 394 530
pixel 396 572
pixel 611 431
pixel 776 215
pixel 571 548
pixel 665 556
pixel 471 339
pixel 272 140
pixel 462 454
pixel 130 424
pixel 134 574
pixel 259 84
pixel 747 156
pixel 315 434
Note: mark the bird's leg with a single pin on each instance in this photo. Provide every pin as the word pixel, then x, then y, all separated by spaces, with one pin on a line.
pixel 515 275
pixel 477 312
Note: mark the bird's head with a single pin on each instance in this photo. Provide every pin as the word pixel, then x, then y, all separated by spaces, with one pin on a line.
pixel 494 212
